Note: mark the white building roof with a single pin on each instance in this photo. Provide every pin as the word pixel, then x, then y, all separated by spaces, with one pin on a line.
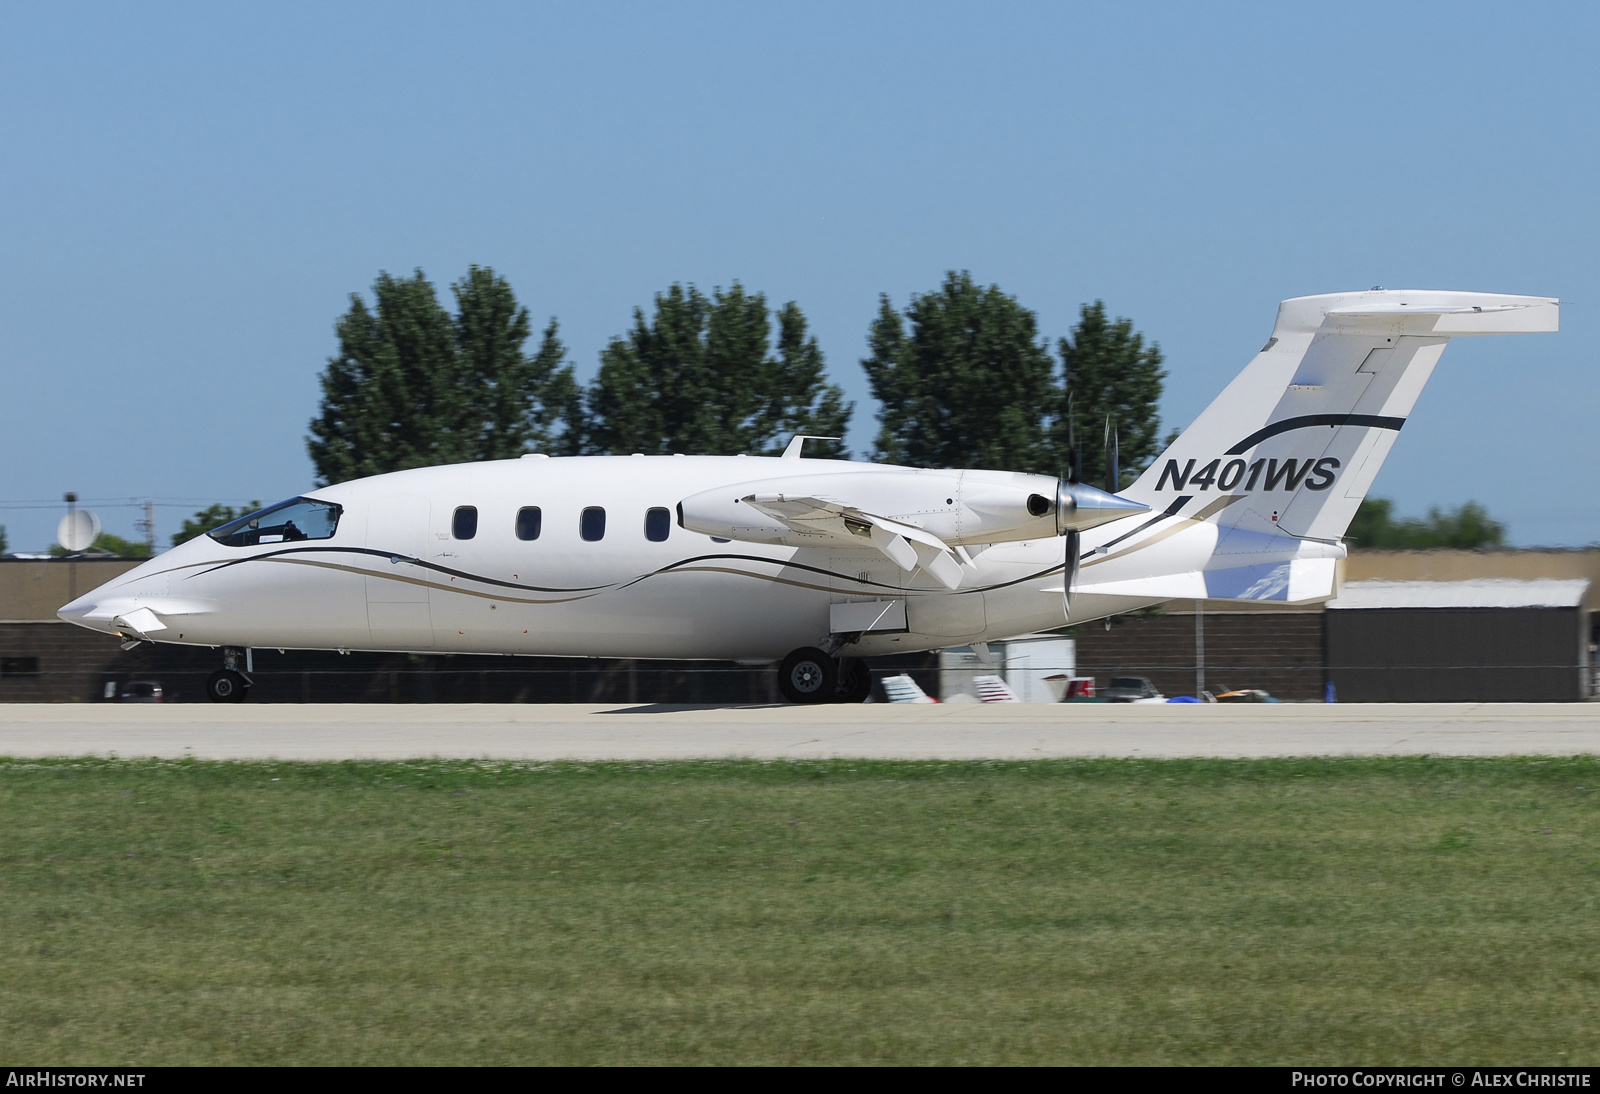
pixel 1485 592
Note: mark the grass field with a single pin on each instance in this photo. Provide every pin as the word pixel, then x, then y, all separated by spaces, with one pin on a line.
pixel 1313 911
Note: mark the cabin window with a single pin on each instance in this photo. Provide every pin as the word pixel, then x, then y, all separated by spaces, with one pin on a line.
pixel 286 522
pixel 592 526
pixel 465 523
pixel 657 522
pixel 529 520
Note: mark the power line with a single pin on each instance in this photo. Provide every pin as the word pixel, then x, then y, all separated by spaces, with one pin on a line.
pixel 113 503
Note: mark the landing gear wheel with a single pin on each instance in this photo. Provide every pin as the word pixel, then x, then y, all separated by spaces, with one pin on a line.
pixel 227 686
pixel 855 682
pixel 808 676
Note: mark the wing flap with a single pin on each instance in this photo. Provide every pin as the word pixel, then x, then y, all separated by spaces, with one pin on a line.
pixel 906 545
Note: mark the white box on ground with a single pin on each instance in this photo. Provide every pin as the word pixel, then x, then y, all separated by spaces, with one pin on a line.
pixel 1031 660
pixel 1024 663
pixel 960 667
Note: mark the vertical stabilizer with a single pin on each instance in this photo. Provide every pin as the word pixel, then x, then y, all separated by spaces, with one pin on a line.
pixel 1295 441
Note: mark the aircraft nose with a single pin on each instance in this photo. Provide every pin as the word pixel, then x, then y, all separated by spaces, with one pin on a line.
pixel 76 611
pixel 79 611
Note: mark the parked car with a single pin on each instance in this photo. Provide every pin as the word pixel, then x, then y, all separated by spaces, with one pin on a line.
pixel 1071 689
pixel 142 691
pixel 1246 695
pixel 1131 689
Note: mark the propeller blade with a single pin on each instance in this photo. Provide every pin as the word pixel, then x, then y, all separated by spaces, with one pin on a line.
pixel 1113 482
pixel 1074 461
pixel 1069 574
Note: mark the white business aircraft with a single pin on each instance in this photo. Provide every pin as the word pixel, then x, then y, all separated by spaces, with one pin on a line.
pixel 819 563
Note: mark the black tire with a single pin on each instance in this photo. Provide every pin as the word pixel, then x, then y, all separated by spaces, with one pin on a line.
pixel 227 686
pixel 808 676
pixel 855 682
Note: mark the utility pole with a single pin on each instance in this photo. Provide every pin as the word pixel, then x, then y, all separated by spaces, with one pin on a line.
pixel 148 526
pixel 72 565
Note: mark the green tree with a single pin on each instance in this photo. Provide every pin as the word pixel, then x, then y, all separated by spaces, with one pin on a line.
pixel 1468 526
pixel 800 399
pixel 413 386
pixel 969 384
pixel 515 397
pixel 212 516
pixel 380 401
pixel 1108 375
pixel 701 376
pixel 5 544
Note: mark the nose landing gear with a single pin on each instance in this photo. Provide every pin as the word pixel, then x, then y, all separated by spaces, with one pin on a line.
pixel 230 684
pixel 809 675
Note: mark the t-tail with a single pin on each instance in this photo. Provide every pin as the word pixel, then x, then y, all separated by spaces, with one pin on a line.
pixel 1282 459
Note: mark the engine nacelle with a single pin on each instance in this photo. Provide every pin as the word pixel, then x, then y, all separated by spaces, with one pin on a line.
pixel 722 513
pixel 957 506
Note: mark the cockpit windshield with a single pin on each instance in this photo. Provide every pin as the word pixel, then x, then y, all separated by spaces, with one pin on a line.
pixel 286 522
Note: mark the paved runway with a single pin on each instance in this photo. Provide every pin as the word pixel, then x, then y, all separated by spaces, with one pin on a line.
pixel 950 731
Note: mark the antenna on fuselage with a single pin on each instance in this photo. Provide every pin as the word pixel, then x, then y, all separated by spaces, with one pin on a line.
pixel 798 442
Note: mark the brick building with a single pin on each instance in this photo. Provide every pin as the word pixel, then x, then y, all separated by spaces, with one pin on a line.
pixel 1277 651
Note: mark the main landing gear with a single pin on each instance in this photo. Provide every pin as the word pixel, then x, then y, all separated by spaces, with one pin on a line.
pixel 810 675
pixel 230 684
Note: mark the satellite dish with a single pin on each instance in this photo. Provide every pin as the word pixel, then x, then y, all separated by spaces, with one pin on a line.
pixel 78 530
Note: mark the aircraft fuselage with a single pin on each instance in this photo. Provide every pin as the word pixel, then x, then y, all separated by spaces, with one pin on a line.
pixel 397 575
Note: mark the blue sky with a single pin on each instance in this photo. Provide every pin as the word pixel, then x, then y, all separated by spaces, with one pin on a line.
pixel 190 193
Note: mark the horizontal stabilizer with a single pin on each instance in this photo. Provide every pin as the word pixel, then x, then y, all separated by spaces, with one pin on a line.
pixel 1466 314
pixel 1290 582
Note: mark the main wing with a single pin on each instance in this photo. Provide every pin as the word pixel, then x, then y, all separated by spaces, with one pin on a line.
pixel 917 518
pixel 906 545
